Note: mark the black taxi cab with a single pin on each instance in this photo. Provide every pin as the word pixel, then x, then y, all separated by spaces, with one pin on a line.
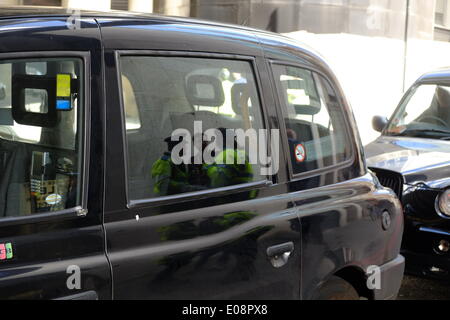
pixel 148 157
pixel 412 156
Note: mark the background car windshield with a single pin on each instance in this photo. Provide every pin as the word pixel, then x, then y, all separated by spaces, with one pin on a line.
pixel 424 113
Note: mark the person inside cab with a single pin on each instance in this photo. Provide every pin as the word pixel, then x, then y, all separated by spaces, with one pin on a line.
pixel 231 165
pixel 169 177
pixel 439 111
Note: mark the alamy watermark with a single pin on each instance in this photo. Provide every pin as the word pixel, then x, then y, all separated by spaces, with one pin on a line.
pixel 204 147
pixel 73 282
pixel 373 278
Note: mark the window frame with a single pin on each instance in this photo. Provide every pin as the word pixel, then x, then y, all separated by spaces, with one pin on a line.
pixel 188 196
pixel 79 211
pixel 279 100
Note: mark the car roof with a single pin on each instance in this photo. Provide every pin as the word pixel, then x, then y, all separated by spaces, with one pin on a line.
pixel 24 12
pixel 439 75
pixel 13 12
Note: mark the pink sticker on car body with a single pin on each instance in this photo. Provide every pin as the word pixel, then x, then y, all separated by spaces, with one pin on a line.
pixel 2 251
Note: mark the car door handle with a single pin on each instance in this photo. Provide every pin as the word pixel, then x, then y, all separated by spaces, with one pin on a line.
pixel 279 254
pixel 280 249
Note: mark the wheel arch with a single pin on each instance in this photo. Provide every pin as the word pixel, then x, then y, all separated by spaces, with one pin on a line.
pixel 357 278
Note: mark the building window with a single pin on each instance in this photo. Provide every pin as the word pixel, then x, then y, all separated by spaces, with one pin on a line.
pixel 439 16
pixel 119 4
pixel 54 3
pixel 442 14
pixel 442 21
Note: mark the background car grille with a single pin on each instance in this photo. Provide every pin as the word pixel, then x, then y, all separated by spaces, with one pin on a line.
pixel 390 180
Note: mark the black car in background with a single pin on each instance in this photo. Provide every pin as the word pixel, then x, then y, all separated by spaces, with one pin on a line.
pixel 412 156
pixel 93 203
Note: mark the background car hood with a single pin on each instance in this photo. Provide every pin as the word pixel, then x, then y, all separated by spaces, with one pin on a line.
pixel 417 159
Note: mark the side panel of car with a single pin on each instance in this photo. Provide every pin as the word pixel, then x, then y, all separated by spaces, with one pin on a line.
pixel 214 243
pixel 347 234
pixel 53 250
pixel 245 240
pixel 208 245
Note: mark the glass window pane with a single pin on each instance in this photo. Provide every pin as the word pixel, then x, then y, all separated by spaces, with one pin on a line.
pixel 423 114
pixel 163 95
pixel 40 145
pixel 315 125
pixel 441 13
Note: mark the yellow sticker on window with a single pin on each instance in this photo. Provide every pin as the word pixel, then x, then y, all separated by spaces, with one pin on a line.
pixel 63 85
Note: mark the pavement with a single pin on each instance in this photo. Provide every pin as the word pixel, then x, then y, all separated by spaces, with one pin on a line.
pixel 414 288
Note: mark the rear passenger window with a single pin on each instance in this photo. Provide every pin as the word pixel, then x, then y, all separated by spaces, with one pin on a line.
pixel 163 95
pixel 315 126
pixel 40 135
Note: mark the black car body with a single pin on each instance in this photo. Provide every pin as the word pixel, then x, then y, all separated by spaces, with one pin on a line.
pixel 283 236
pixel 414 160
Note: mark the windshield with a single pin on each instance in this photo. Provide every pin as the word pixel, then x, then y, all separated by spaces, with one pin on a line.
pixel 425 113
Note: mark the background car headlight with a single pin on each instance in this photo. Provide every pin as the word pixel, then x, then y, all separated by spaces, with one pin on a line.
pixel 443 204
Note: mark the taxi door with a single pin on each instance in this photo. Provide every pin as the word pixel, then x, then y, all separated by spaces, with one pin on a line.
pixel 51 235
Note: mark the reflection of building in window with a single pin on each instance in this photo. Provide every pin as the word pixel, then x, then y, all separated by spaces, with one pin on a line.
pixel 132 119
pixel 14 131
